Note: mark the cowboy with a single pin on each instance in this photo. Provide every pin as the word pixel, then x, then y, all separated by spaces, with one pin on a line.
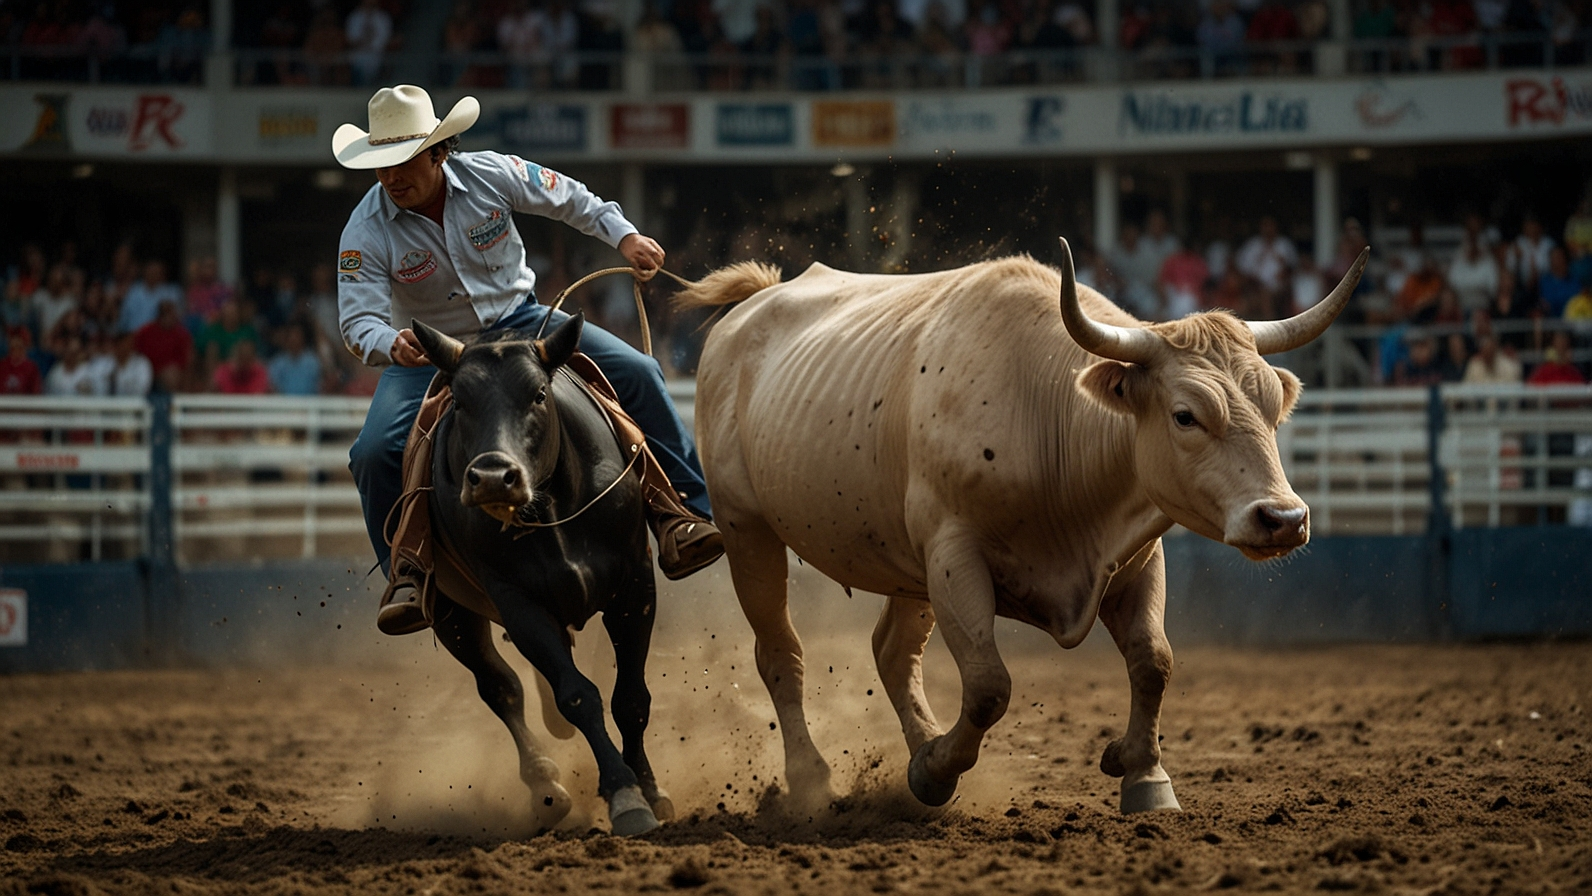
pixel 434 240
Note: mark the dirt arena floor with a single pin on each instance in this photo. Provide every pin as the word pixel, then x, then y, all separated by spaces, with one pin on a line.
pixel 1411 769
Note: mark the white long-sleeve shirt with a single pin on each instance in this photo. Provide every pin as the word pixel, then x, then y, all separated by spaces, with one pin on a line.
pixel 395 265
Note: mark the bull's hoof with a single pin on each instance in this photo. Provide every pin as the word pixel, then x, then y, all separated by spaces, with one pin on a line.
pixel 550 802
pixel 1149 796
pixel 929 790
pixel 629 814
pixel 809 785
pixel 1111 759
pixel 662 805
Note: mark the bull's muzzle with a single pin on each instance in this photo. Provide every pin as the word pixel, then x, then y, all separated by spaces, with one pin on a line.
pixel 495 483
pixel 1270 528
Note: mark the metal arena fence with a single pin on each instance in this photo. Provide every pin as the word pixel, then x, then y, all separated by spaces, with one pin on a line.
pixel 230 479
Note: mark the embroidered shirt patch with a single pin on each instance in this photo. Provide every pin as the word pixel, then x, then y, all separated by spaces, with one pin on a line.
pixel 548 178
pixel 415 267
pixel 520 169
pixel 490 232
pixel 349 260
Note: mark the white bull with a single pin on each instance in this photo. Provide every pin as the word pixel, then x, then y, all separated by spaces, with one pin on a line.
pixel 960 444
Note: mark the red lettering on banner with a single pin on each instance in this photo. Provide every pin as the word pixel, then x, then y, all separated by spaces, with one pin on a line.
pixel 8 618
pixel 156 115
pixel 1532 101
pixel 30 460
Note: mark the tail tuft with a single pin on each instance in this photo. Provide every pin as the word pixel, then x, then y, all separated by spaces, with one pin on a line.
pixel 728 284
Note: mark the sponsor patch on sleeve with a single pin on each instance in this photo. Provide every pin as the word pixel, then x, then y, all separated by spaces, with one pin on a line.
pixel 520 169
pixel 350 261
pixel 547 177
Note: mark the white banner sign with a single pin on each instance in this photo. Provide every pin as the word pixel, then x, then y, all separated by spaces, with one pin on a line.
pixel 151 123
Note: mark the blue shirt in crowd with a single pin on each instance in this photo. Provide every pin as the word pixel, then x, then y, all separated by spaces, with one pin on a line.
pixel 1556 292
pixel 142 303
pixel 291 375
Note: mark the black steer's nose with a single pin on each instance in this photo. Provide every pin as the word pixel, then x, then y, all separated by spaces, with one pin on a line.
pixel 1275 519
pixel 494 478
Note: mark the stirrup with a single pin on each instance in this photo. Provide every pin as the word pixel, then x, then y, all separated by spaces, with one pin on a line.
pixel 688 545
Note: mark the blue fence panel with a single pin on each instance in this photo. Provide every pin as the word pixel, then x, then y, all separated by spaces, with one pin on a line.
pixel 80 616
pixel 1521 582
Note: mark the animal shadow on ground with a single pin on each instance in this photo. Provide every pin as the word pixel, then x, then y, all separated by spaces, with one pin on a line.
pixel 237 855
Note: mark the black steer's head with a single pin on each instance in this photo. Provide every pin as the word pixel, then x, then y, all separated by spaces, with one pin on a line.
pixel 505 432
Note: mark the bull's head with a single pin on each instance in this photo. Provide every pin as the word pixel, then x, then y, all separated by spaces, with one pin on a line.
pixel 504 434
pixel 1207 408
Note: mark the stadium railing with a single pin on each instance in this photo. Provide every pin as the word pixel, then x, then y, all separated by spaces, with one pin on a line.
pixel 266 477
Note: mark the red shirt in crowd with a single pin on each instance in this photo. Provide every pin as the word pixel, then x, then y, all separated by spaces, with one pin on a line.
pixel 242 379
pixel 19 377
pixel 165 347
pixel 1550 373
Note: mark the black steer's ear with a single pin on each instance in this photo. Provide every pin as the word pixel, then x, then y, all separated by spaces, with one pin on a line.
pixel 442 350
pixel 557 346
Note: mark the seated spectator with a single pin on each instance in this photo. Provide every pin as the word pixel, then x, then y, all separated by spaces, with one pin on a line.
pixel 1182 278
pixel 1578 230
pixel 1220 31
pixel 1491 364
pixel 18 374
pixel 1273 21
pixel 1556 367
pixel 881 32
pixel 126 372
pixel 368 31
pixel 561 37
pixel 1473 273
pixel 1555 287
pixel 1267 257
pixel 1529 255
pixel 71 325
pixel 217 340
pixel 72 374
pixel 1376 19
pixel 1228 292
pixel 143 298
pixel 521 36
pixel 1419 290
pixel 182 47
pixel 1308 286
pixel 242 373
pixel 1455 358
pixel 1445 310
pixel 1137 267
pixel 168 345
pixel 985 32
pixel 1580 307
pixel 323 50
pixel 295 370
pixel 654 33
pixel 206 292
pixel 1421 367
pixel 55 298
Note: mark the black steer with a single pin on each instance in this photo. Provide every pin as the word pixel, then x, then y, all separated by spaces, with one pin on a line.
pixel 522 444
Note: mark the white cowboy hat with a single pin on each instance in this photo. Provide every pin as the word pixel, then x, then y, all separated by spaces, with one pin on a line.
pixel 402 123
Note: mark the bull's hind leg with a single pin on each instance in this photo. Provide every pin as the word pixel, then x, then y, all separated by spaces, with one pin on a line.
pixel 964 604
pixel 759 569
pixel 630 629
pixel 1135 617
pixel 898 641
pixel 468 637
pixel 540 637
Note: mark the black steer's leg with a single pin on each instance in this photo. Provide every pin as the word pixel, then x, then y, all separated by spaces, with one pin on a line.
pixel 468 637
pixel 541 639
pixel 629 625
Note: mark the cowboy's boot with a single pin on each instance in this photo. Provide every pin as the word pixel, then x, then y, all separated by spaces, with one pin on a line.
pixel 686 542
pixel 401 610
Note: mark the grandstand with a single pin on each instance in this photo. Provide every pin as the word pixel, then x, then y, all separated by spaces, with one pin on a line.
pixel 1204 155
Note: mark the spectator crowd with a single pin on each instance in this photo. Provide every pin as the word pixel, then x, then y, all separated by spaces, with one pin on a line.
pixel 131 329
pixel 1439 311
pixel 735 44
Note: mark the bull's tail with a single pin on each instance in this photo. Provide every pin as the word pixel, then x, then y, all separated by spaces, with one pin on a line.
pixel 728 284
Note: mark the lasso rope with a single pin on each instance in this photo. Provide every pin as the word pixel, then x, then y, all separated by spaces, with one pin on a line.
pixel 639 276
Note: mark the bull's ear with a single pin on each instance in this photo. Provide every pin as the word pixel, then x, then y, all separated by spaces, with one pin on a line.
pixel 1112 384
pixel 555 348
pixel 441 349
pixel 1291 388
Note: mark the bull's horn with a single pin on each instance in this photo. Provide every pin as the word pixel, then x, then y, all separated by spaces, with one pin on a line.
pixel 1273 336
pixel 1131 345
pixel 441 349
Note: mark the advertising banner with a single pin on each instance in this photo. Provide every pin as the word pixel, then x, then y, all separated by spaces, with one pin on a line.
pixel 539 128
pixel 754 124
pixel 866 123
pixel 13 617
pixel 650 126
pixel 150 123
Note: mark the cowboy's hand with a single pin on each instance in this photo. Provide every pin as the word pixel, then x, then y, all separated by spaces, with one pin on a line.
pixel 406 350
pixel 643 252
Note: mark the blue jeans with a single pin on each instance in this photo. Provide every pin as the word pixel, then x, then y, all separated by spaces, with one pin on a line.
pixel 376 458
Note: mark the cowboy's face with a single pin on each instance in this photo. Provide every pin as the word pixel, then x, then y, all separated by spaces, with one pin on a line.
pixel 415 183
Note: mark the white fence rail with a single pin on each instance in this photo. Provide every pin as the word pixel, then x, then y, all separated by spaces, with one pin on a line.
pixel 266 477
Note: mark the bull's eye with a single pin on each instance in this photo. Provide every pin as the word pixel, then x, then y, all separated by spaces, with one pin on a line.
pixel 541 395
pixel 1184 419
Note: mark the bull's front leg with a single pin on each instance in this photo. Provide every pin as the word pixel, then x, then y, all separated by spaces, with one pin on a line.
pixel 1135 616
pixel 963 597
